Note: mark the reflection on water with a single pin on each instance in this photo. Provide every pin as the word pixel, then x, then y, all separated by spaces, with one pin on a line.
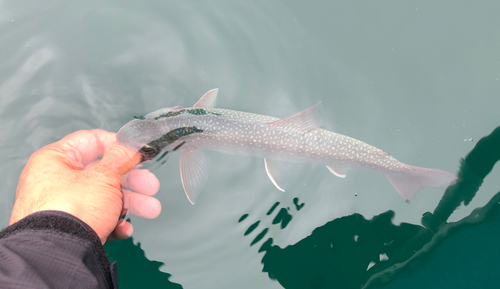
pixel 134 269
pixel 474 168
pixel 282 218
pixel 352 252
pixel 343 253
pixel 416 82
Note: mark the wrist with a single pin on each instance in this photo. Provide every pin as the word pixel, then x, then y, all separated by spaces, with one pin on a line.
pixel 21 211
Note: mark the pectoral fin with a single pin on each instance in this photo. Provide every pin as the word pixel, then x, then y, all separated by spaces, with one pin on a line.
pixel 275 173
pixel 208 99
pixel 338 171
pixel 195 165
pixel 301 122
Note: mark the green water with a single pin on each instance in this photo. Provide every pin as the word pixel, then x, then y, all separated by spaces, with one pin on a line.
pixel 419 79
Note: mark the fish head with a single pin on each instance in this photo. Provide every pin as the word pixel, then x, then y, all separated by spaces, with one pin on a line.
pixel 149 135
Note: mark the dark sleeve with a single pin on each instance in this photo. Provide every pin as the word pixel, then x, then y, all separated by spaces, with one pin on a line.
pixel 52 249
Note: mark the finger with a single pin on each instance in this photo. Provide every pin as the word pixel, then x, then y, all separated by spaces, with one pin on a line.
pixel 142 181
pixel 141 205
pixel 92 163
pixel 120 159
pixel 122 231
pixel 84 146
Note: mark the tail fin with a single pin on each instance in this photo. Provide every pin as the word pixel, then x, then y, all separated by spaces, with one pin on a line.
pixel 415 178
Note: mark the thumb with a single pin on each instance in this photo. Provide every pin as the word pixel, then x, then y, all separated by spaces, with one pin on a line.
pixel 120 159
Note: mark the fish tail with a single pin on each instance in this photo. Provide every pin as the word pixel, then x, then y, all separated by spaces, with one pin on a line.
pixel 414 179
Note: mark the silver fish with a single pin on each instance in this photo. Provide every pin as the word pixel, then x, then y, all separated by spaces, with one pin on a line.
pixel 296 138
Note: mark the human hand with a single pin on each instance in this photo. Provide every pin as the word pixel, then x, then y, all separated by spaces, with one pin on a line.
pixel 68 176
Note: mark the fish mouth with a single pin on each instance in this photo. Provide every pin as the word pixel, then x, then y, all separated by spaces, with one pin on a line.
pixel 149 152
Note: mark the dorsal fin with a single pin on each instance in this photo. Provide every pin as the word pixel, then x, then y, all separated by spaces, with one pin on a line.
pixel 208 99
pixel 300 122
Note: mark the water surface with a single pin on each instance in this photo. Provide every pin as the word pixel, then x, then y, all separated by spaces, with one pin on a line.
pixel 418 79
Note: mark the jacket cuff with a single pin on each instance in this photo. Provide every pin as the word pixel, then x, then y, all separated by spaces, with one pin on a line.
pixel 57 221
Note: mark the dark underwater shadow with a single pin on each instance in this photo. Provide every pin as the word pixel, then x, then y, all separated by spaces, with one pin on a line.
pixel 352 252
pixel 134 269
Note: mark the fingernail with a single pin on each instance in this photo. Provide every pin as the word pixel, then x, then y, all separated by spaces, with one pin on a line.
pixel 130 230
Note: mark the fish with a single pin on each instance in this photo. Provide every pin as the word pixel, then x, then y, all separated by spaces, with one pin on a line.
pixel 296 138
